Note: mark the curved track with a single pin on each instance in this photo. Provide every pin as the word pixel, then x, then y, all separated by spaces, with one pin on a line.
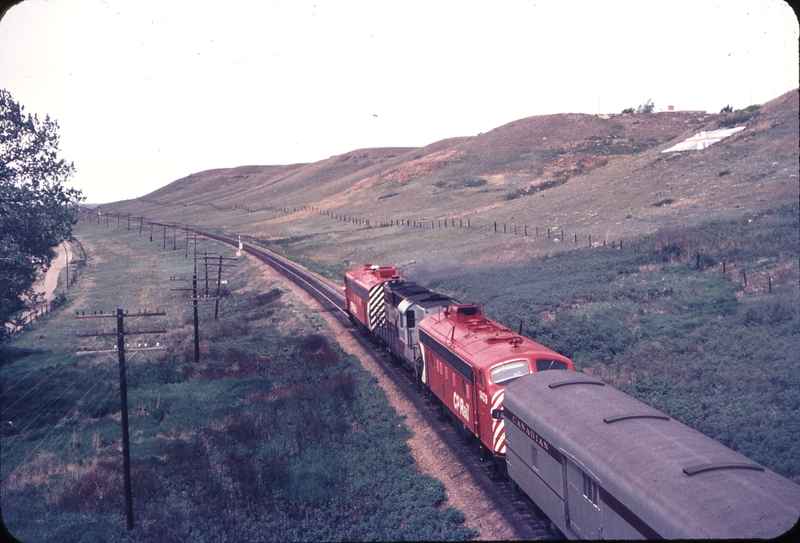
pixel 321 291
pixel 517 510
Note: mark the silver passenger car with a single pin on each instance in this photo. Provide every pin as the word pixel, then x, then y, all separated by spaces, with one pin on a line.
pixel 603 465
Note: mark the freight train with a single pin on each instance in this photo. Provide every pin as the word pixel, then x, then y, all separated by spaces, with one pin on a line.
pixel 599 463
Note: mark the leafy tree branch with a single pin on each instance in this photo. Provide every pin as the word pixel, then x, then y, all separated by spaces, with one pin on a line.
pixel 35 207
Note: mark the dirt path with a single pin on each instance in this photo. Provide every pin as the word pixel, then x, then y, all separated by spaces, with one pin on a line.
pixel 431 454
pixel 47 285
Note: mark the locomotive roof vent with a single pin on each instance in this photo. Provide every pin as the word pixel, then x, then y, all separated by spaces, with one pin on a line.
pixel 467 312
pixel 384 272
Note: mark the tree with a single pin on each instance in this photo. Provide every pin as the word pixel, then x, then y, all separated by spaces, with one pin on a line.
pixel 35 208
pixel 647 107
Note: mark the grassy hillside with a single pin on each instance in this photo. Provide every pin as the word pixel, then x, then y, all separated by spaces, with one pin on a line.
pixel 629 260
pixel 598 176
pixel 274 435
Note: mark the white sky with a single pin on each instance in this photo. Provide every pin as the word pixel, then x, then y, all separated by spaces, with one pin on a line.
pixel 146 92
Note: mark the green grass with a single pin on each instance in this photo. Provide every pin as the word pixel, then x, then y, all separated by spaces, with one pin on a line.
pixel 695 343
pixel 275 435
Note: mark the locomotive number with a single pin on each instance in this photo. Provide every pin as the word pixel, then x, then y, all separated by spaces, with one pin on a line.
pixel 483 396
pixel 461 406
pixel 353 307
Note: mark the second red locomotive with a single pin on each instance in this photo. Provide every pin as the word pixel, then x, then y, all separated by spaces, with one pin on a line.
pixel 363 292
pixel 469 361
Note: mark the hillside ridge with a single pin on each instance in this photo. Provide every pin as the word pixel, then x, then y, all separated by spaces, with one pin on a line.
pixel 602 176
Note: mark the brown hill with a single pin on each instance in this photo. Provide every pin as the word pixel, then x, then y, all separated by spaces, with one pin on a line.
pixel 602 176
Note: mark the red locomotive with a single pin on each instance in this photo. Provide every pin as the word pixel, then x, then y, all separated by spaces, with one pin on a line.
pixel 469 361
pixel 363 292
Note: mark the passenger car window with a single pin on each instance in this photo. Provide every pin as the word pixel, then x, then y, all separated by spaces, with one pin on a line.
pixel 510 370
pixel 590 490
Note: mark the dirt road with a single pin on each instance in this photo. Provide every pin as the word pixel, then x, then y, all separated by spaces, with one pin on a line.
pixel 47 285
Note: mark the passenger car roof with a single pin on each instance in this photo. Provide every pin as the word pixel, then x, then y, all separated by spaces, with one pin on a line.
pixel 687 484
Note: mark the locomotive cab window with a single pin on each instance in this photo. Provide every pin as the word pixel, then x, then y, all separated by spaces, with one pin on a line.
pixel 508 371
pixel 543 365
pixel 410 319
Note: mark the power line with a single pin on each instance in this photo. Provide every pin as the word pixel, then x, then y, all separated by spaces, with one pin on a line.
pixel 34 387
pixel 52 447
pixel 96 407
pixel 5 390
pixel 64 391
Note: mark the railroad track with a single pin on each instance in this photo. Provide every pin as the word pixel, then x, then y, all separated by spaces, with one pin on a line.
pixel 520 512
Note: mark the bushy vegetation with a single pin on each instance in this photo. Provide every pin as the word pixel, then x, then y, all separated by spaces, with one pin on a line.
pixel 275 435
pixel 467 182
pixel 669 320
pixel 647 107
pixel 735 118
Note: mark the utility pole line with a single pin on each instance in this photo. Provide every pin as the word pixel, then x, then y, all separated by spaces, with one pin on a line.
pixel 194 308
pixel 219 282
pixel 123 387
pixel 218 261
pixel 205 266
pixel 196 320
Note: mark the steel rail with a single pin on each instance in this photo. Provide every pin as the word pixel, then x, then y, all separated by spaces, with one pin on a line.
pixel 302 278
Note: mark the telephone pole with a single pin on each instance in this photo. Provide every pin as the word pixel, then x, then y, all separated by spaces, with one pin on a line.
pixel 196 317
pixel 123 385
pixel 209 260
pixel 196 297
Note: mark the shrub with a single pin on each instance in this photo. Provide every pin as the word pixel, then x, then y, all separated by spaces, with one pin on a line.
pixel 664 202
pixel 95 491
pixel 320 351
pixel 269 296
pixel 342 385
pixel 473 182
pixel 647 107
pixel 738 117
